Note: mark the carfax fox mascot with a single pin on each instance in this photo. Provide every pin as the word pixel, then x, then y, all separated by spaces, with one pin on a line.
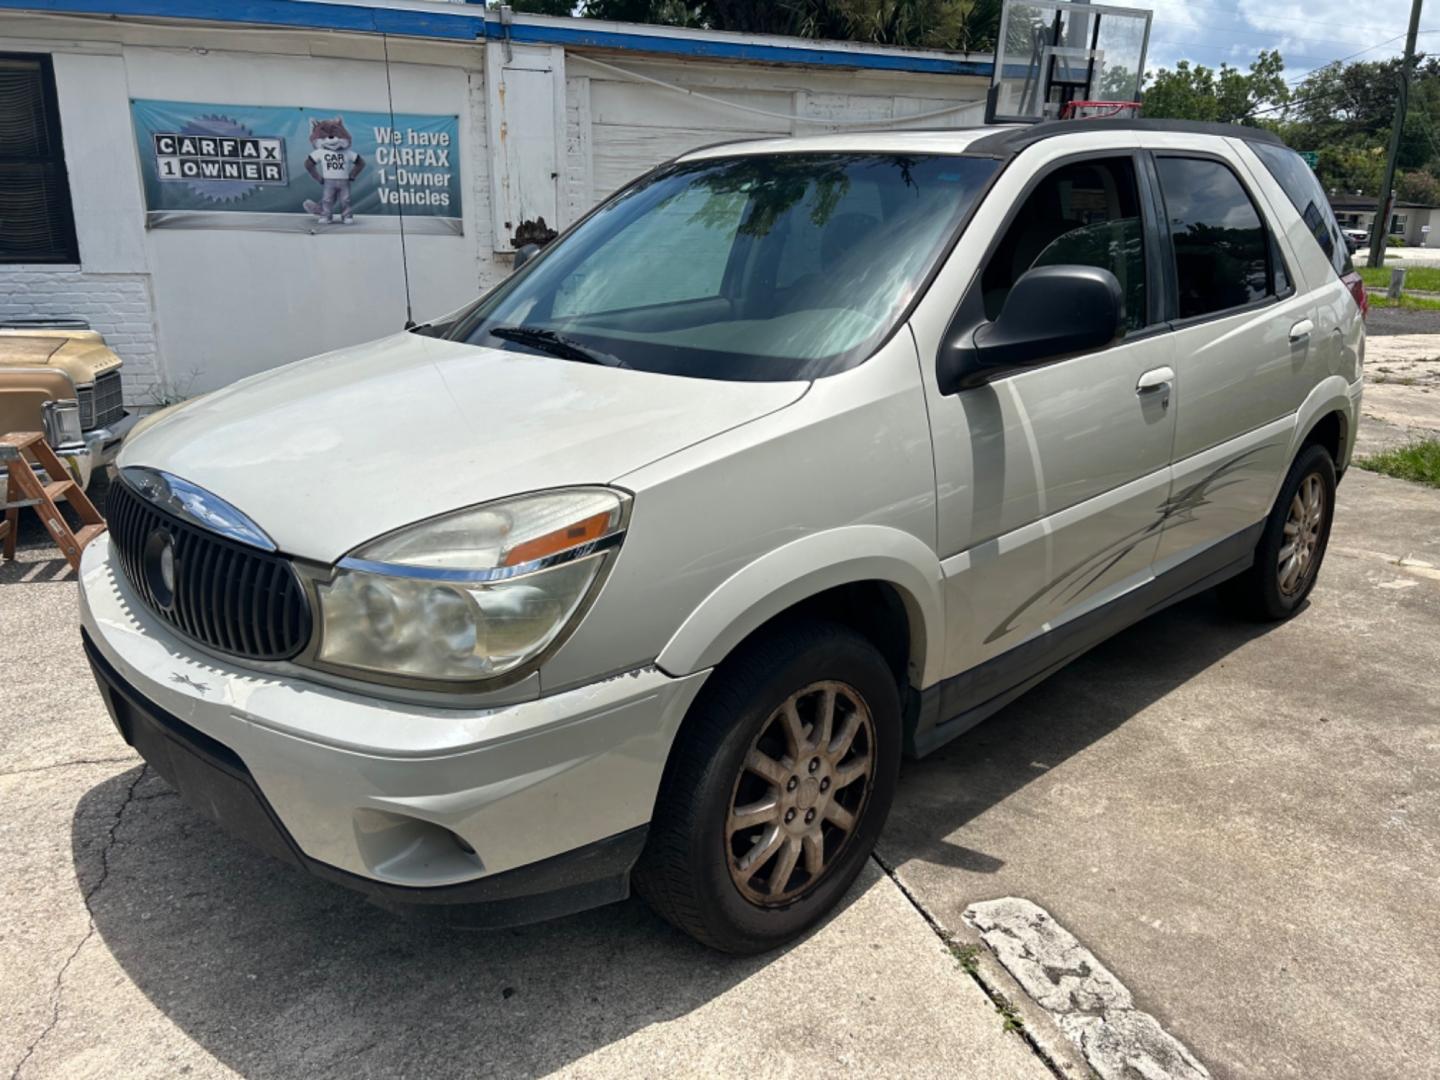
pixel 332 165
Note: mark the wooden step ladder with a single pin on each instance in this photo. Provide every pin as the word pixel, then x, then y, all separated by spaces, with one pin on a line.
pixel 26 489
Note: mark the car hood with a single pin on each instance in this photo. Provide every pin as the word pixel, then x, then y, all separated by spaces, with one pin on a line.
pixel 81 354
pixel 332 451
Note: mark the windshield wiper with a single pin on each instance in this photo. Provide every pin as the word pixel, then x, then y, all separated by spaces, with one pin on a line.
pixel 548 341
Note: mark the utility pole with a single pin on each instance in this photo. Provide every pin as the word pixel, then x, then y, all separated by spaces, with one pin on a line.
pixel 1380 230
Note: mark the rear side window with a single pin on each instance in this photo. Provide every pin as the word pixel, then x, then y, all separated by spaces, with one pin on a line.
pixel 1303 189
pixel 1222 251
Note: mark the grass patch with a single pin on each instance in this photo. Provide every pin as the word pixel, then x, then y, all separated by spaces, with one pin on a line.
pixel 1409 301
pixel 1423 278
pixel 968 955
pixel 1419 462
pixel 1009 1015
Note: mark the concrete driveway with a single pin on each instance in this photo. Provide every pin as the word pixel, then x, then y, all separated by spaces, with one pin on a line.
pixel 138 940
pixel 1242 823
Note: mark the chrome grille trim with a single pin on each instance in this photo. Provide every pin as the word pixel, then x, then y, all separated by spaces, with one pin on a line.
pixel 229 597
pixel 101 403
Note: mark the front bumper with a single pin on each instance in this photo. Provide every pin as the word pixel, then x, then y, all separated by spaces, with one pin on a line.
pixel 98 448
pixel 538 807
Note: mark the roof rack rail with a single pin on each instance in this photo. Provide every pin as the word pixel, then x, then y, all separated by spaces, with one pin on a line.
pixel 1012 140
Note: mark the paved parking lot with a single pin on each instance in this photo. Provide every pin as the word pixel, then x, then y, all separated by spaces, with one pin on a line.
pixel 138 940
pixel 1242 823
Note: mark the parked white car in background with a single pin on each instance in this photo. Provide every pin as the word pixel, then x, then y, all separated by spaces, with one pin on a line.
pixel 791 457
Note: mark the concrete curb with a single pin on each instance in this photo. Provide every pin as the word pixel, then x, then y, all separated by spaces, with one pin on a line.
pixel 1092 1007
pixel 1036 1027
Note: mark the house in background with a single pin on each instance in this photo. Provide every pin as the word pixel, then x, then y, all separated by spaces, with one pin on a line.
pixel 1415 223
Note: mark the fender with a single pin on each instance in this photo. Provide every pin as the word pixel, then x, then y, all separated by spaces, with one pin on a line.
pixel 796 571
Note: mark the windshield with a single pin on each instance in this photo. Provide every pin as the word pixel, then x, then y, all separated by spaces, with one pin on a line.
pixel 770 267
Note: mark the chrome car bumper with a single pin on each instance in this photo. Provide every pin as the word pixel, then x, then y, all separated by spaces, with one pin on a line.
pixel 98 449
pixel 94 452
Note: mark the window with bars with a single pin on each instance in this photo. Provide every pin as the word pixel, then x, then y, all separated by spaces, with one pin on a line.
pixel 36 223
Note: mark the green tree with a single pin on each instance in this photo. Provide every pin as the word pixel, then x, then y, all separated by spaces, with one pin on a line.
pixel 1418 186
pixel 1349 170
pixel 963 25
pixel 1227 96
pixel 1345 112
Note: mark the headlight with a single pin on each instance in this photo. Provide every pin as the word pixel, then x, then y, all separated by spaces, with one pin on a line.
pixel 61 420
pixel 470 595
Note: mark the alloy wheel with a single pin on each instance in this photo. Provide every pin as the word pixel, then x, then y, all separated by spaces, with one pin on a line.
pixel 800 793
pixel 1303 525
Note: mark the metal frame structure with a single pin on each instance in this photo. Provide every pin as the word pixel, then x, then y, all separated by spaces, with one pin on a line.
pixel 1052 63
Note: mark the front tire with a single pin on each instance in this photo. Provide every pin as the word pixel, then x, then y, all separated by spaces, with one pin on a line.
pixel 1292 545
pixel 776 790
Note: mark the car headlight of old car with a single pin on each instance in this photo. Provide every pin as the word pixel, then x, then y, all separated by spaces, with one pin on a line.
pixel 473 594
pixel 61 420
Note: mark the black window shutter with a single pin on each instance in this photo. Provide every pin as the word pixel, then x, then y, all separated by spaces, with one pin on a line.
pixel 36 222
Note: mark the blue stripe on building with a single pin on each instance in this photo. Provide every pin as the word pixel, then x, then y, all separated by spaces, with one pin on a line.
pixel 440 25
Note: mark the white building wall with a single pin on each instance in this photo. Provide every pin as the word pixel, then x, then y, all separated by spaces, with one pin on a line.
pixel 119 306
pixel 636 125
pixel 231 303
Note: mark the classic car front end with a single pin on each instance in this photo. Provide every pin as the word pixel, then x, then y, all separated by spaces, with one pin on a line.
pixel 58 376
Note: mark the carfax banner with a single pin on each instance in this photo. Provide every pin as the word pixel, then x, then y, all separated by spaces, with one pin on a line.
pixel 297 169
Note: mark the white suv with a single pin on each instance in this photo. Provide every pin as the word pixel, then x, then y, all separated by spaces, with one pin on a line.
pixel 792 457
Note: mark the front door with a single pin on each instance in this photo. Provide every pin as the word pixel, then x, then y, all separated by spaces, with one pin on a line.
pixel 1052 481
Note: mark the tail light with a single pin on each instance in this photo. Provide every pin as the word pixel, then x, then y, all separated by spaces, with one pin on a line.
pixel 1356 284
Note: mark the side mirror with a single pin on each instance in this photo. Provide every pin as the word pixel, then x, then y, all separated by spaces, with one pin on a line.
pixel 524 254
pixel 1051 311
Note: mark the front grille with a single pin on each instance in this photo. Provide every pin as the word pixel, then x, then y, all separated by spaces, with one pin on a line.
pixel 102 403
pixel 228 596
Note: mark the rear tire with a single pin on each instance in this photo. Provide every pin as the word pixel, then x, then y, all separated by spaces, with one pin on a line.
pixel 734 858
pixel 1292 545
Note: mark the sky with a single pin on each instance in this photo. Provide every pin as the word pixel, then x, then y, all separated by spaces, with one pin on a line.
pixel 1308 35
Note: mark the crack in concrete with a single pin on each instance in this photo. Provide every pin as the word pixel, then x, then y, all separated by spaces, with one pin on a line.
pixel 58 987
pixel 69 765
pixel 993 993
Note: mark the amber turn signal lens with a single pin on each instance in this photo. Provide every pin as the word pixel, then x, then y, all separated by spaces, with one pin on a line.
pixel 571 536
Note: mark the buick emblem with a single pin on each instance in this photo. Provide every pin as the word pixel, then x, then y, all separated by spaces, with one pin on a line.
pixel 159 562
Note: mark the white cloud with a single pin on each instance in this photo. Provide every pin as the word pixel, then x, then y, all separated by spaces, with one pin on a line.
pixel 1308 35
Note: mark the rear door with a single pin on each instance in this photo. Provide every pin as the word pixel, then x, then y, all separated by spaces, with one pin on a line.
pixel 1322 259
pixel 1243 352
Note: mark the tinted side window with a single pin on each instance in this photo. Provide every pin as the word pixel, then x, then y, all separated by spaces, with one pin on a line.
pixel 1303 189
pixel 1222 251
pixel 1083 214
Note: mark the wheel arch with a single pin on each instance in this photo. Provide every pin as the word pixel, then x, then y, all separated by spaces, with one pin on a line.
pixel 1330 430
pixel 836 574
pixel 1325 417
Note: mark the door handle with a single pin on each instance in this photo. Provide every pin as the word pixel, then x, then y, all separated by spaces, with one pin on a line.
pixel 1156 381
pixel 1301 331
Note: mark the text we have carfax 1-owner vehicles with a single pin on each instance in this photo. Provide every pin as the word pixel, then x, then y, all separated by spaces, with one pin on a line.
pixel 792 457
